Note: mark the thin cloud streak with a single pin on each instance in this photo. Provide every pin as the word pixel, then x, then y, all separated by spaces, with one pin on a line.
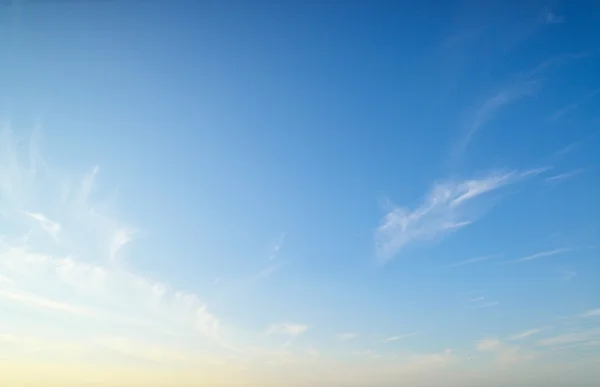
pixel 471 261
pixel 564 176
pixel 347 336
pixel 289 329
pixel 277 247
pixel 539 255
pixel 52 228
pixel 86 280
pixel 525 334
pixel 527 85
pixel 444 210
pixel 483 305
pixel 490 107
pixel 591 313
pixel 400 337
pixel 568 275
pixel 572 106
pixel 581 337
pixel 33 300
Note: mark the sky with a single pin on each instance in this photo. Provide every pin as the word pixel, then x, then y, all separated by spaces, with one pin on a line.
pixel 329 194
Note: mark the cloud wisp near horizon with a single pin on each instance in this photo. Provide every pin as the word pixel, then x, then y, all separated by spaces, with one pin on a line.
pixel 188 195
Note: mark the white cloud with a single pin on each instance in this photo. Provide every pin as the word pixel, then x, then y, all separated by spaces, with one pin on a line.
pixel 564 176
pixel 591 313
pixel 525 334
pixel 400 337
pixel 445 209
pixel 489 344
pixel 79 275
pixel 491 106
pixel 119 239
pixel 574 105
pixel 471 261
pixel 504 354
pixel 289 329
pixel 568 275
pixel 542 254
pixel 41 302
pixel 6 280
pixel 52 228
pixel 266 272
pixel 347 336
pixel 477 305
pixel 276 247
pixel 552 18
pixel 581 337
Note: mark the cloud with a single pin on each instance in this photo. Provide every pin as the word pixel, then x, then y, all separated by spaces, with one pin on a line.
pixel 578 338
pixel 503 353
pixel 526 85
pixel 276 247
pixel 541 254
pixel 289 329
pixel 487 345
pixel 471 261
pixel 483 305
pixel 79 275
pixel 266 272
pixel 6 280
pixel 446 208
pixel 44 303
pixel 568 275
pixel 564 176
pixel 574 105
pixel 525 334
pixel 491 106
pixel 401 337
pixel 552 18
pixel 591 313
pixel 52 228
pixel 347 336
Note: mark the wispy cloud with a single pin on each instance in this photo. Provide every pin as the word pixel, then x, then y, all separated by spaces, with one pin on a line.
pixel 491 106
pixel 44 303
pixel 505 354
pixel 266 272
pixel 276 247
pixel 525 85
pixel 80 276
pixel 542 254
pixel 483 305
pixel 471 261
pixel 6 280
pixel 347 336
pixel 52 228
pixel 574 105
pixel 400 337
pixel 288 329
pixel 580 337
pixel 489 344
pixel 552 18
pixel 564 176
pixel 477 299
pixel 445 209
pixel 525 334
pixel 591 313
pixel 568 275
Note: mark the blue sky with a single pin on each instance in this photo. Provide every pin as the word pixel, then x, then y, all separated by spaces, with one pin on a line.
pixel 279 193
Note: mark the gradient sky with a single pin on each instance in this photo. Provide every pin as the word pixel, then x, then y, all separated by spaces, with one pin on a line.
pixel 262 193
